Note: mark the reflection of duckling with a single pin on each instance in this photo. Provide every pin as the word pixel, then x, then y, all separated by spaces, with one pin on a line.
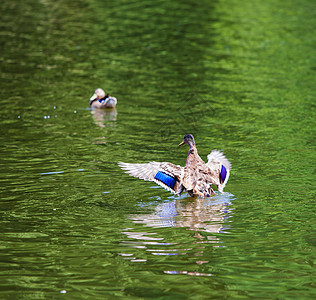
pixel 103 116
pixel 196 177
pixel 100 100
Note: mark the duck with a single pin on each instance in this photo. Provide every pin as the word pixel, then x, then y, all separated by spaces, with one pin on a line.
pixel 196 177
pixel 101 100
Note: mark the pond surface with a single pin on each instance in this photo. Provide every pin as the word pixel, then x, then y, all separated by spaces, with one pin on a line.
pixel 239 76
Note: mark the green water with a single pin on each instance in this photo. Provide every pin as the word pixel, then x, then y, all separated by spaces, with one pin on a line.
pixel 239 75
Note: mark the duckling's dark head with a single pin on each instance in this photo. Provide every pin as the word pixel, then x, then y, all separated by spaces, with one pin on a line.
pixel 188 139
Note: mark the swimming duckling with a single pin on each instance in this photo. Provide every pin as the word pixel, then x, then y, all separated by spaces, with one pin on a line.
pixel 102 100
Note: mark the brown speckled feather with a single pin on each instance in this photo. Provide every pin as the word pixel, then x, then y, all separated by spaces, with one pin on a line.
pixel 198 177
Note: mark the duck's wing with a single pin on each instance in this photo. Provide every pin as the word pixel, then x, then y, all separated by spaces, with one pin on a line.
pixel 220 165
pixel 108 102
pixel 111 101
pixel 165 174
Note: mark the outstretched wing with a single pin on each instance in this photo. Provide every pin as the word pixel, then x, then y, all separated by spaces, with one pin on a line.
pixel 165 174
pixel 220 165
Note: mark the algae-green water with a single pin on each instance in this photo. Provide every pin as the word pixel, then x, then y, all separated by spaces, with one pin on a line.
pixel 238 75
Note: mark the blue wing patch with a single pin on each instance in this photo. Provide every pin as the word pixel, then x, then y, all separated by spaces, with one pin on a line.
pixel 166 179
pixel 223 173
pixel 104 100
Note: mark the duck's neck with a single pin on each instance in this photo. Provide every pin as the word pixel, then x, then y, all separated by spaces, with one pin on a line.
pixel 191 154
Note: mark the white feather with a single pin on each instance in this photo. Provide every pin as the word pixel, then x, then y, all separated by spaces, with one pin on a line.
pixel 149 170
pixel 219 156
pixel 215 161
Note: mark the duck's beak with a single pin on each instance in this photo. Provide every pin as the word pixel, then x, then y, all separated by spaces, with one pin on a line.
pixel 93 97
pixel 182 143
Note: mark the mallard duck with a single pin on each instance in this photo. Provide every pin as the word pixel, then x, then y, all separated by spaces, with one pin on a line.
pixel 101 100
pixel 196 177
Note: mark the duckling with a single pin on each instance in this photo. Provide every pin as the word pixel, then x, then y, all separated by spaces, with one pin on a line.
pixel 196 177
pixel 102 100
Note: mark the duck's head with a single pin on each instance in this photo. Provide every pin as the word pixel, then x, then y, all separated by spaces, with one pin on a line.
pixel 188 139
pixel 98 94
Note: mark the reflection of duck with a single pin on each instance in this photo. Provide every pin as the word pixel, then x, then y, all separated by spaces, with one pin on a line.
pixel 205 216
pixel 200 214
pixel 196 177
pixel 100 100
